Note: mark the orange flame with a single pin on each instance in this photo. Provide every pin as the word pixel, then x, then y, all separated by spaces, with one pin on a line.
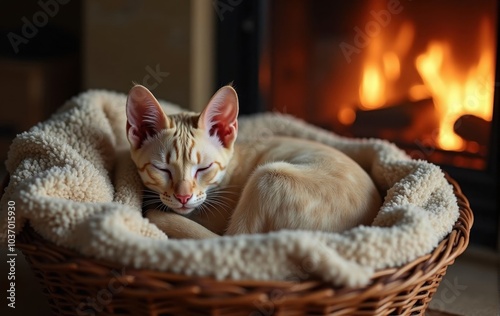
pixel 372 90
pixel 383 67
pixel 457 92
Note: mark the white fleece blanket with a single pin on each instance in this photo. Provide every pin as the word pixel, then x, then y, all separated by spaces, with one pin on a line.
pixel 73 180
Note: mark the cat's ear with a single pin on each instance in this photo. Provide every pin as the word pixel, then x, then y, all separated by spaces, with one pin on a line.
pixel 220 116
pixel 145 116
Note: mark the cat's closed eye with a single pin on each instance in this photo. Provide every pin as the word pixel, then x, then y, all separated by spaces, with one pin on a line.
pixel 166 170
pixel 203 169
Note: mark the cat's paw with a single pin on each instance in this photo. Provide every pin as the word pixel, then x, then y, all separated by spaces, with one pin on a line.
pixel 177 226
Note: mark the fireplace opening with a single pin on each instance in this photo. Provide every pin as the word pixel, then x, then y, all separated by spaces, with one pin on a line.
pixel 417 73
pixel 420 74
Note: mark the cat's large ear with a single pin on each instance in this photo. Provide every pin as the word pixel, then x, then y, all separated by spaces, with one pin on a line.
pixel 145 116
pixel 220 116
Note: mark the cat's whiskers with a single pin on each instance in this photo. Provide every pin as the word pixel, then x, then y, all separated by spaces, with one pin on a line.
pixel 218 205
pixel 147 203
pixel 149 191
pixel 215 196
pixel 213 207
pixel 228 201
pixel 225 188
pixel 151 196
pixel 222 199
pixel 204 209
pixel 164 208
pixel 224 191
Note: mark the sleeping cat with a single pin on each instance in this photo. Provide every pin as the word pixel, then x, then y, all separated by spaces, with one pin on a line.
pixel 210 184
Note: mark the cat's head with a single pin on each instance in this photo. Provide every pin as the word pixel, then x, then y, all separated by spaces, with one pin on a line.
pixel 183 155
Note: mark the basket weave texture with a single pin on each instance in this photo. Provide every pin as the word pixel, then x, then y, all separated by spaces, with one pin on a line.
pixel 76 285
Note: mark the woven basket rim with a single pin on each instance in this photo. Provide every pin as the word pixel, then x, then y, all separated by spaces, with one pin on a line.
pixel 385 283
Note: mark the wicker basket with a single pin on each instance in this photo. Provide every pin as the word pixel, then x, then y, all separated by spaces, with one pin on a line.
pixel 76 285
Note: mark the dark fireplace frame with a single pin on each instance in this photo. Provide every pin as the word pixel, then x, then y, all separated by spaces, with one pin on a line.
pixel 241 34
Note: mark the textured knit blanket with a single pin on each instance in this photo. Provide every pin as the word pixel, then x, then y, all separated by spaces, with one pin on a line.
pixel 72 178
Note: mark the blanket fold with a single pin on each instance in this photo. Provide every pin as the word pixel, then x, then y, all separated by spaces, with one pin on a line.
pixel 73 180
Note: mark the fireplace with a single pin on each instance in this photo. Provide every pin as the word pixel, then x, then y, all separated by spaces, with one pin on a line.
pixel 418 73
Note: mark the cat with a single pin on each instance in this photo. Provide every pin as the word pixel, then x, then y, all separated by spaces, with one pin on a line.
pixel 209 184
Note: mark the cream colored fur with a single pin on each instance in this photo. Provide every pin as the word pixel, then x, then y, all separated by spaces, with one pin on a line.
pixel 266 185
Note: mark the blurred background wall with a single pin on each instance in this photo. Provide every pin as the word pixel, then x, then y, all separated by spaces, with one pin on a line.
pixel 50 50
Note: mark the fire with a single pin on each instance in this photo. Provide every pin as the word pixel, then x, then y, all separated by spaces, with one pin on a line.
pixel 372 90
pixel 383 67
pixel 456 91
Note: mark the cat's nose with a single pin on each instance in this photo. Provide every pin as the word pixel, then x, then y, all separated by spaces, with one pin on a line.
pixel 183 198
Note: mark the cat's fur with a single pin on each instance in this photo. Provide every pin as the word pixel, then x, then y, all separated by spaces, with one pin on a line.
pixel 222 186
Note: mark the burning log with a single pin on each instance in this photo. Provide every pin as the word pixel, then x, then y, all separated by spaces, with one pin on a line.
pixel 412 117
pixel 473 128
